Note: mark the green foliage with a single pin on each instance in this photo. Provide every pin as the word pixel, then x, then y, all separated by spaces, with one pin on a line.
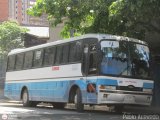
pixel 135 17
pixel 131 18
pixel 11 35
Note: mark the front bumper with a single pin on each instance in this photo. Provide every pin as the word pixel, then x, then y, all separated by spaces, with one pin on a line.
pixel 130 98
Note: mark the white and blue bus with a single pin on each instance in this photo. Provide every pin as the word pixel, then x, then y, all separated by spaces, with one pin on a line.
pixel 93 69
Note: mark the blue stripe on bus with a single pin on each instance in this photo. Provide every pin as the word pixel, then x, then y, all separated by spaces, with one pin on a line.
pixel 148 85
pixel 54 90
pixel 47 91
pixel 107 82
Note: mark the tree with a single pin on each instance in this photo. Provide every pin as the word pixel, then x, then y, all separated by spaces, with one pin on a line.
pixel 11 36
pixel 135 18
pixel 132 18
pixel 82 15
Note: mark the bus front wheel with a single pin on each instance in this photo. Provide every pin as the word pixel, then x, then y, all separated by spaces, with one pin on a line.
pixel 78 101
pixel 25 99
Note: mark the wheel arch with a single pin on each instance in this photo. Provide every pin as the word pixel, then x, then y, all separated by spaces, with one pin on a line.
pixel 72 93
pixel 22 90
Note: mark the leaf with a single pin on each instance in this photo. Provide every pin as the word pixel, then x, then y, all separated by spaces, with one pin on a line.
pixel 106 18
pixel 10 36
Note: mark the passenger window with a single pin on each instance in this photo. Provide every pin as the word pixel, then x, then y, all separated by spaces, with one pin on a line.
pixel 65 54
pixel 19 61
pixel 72 52
pixel 49 56
pixel 38 57
pixel 11 63
pixel 78 51
pixel 28 60
pixel 75 53
pixel 58 54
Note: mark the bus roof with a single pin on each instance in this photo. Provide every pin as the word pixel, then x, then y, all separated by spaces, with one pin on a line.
pixel 98 36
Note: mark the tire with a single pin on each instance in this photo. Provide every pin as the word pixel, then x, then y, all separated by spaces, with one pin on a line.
pixel 25 99
pixel 33 104
pixel 58 105
pixel 78 101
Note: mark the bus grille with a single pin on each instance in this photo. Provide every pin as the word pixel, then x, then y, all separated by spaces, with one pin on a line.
pixel 128 88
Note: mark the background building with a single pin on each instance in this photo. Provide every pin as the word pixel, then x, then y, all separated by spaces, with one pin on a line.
pixel 36 36
pixel 4 10
pixel 54 33
pixel 18 12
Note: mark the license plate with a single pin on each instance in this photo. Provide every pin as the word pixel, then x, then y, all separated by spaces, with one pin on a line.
pixel 129 99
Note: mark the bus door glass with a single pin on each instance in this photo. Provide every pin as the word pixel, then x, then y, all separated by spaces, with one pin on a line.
pixel 90 70
pixel 89 65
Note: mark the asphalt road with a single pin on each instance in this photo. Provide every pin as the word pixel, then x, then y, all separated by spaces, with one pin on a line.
pixel 12 110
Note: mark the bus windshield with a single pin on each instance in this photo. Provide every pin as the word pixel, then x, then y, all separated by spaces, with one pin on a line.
pixel 123 58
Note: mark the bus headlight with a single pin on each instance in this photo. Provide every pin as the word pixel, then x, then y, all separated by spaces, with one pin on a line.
pixel 108 87
pixel 147 90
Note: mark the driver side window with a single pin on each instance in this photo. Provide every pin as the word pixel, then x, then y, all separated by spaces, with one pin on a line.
pixel 92 59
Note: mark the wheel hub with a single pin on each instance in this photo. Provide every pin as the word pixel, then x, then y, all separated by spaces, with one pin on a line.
pixel 25 97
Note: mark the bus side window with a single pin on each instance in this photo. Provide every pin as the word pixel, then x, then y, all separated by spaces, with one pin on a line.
pixel 72 52
pixel 58 55
pixel 78 51
pixel 75 52
pixel 49 55
pixel 11 63
pixel 38 58
pixel 28 60
pixel 19 61
pixel 65 54
pixel 85 60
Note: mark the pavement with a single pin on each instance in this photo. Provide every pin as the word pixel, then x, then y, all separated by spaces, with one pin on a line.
pixel 130 109
pixel 142 110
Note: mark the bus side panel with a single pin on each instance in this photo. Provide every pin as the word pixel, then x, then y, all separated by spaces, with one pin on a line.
pixel 13 90
pixel 55 91
pixel 91 95
pixel 47 91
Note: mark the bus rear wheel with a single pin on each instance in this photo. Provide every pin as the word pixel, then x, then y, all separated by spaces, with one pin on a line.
pixel 34 104
pixel 25 99
pixel 78 101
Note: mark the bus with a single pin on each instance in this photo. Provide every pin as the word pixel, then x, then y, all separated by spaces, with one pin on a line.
pixel 92 69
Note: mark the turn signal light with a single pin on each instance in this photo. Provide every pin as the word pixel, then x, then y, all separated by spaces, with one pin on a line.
pixel 91 87
pixel 102 87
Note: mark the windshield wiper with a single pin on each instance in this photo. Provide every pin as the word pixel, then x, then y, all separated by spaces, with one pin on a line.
pixel 124 70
